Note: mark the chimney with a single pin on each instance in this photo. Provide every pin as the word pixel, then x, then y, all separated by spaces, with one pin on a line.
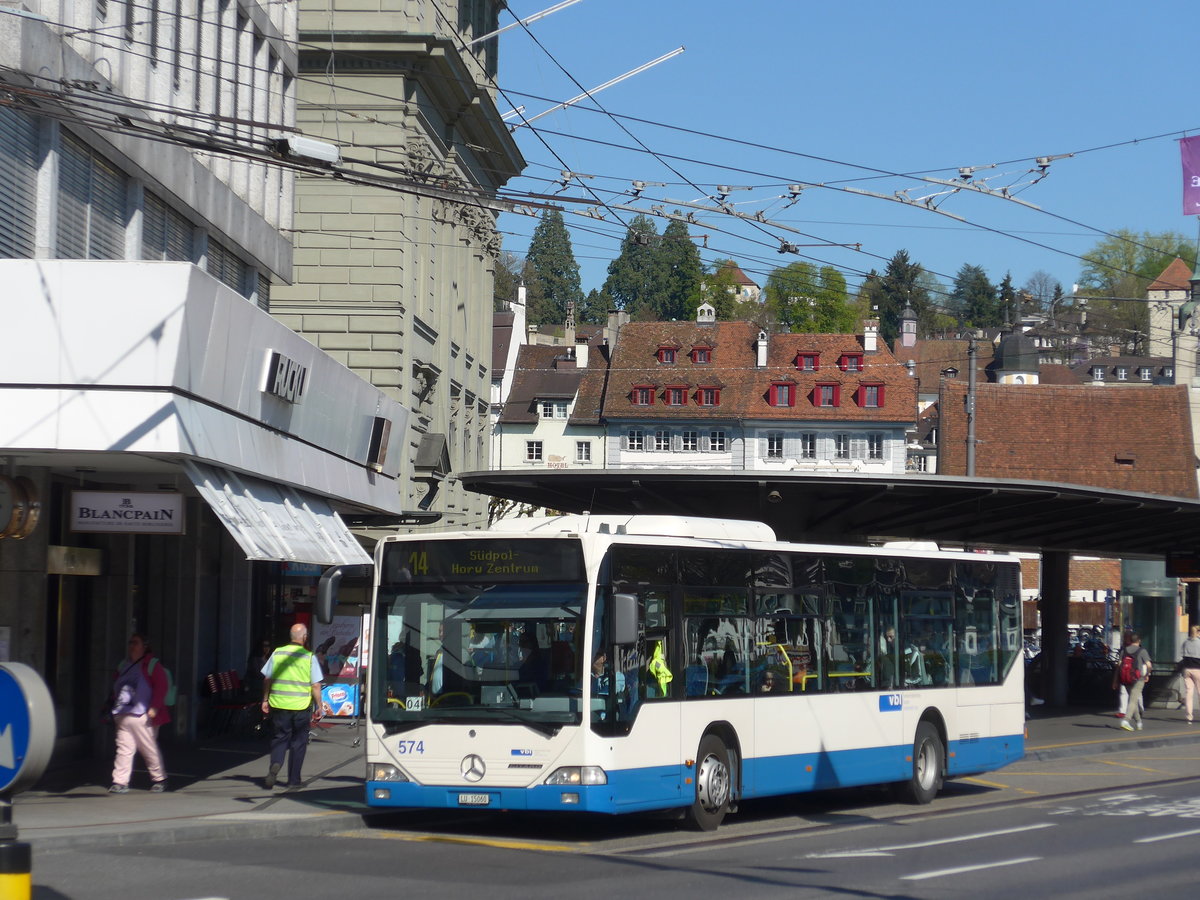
pixel 581 352
pixel 760 350
pixel 569 325
pixel 616 318
pixel 871 335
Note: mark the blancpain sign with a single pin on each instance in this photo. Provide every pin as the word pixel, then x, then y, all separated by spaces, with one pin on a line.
pixel 126 511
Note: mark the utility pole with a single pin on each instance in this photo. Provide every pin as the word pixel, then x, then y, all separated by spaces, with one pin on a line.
pixel 972 350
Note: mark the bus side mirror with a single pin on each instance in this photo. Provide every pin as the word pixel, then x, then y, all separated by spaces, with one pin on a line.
pixel 327 589
pixel 625 618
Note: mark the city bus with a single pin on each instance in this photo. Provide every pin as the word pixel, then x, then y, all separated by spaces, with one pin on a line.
pixel 620 664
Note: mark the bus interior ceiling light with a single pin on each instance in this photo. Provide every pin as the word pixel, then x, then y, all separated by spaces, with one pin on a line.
pixel 300 147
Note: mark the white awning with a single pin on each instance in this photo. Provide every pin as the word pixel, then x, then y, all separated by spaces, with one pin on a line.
pixel 275 521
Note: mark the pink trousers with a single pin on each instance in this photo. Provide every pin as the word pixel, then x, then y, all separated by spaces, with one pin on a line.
pixel 135 733
pixel 1191 681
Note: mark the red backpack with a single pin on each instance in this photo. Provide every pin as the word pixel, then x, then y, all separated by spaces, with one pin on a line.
pixel 1129 673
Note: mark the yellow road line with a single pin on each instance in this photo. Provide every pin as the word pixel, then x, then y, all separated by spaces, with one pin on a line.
pixel 474 842
pixel 995 784
pixel 1128 766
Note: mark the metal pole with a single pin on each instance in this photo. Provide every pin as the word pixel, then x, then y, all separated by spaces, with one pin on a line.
pixel 972 350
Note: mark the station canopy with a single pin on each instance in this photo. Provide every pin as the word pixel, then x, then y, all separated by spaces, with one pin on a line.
pixel 858 509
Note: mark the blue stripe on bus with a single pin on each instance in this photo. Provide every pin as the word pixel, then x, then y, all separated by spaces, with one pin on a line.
pixel 663 787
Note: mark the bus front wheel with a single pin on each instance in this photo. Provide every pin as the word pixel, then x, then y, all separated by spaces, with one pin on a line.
pixel 713 782
pixel 928 764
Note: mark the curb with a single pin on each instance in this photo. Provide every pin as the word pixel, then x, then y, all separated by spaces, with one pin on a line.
pixel 1109 745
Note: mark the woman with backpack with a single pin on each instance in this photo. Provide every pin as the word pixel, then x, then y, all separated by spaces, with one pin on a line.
pixel 1134 673
pixel 139 709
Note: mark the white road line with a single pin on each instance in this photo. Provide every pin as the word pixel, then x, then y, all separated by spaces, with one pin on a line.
pixel 950 840
pixel 963 869
pixel 1167 837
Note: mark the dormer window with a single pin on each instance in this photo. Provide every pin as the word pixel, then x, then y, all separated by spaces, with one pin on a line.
pixel 1097 373
pixel 675 395
pixel 869 396
pixel 851 362
pixel 708 396
pixel 553 409
pixel 666 355
pixel 827 395
pixel 1169 373
pixel 1122 373
pixel 642 395
pixel 1145 373
pixel 701 355
pixel 808 362
pixel 782 393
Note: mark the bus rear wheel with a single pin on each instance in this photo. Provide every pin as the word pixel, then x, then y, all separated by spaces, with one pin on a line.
pixel 713 784
pixel 928 764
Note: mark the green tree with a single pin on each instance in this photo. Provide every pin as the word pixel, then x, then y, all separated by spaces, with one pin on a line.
pixel 636 279
pixel 594 310
pixel 680 265
pixel 553 261
pixel 506 277
pixel 721 290
pixel 801 299
pixel 973 298
pixel 1115 276
pixel 901 284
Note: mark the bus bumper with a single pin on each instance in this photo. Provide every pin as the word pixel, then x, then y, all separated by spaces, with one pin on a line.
pixel 583 798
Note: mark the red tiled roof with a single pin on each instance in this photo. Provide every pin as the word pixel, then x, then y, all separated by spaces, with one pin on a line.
pixel 541 372
pixel 936 354
pixel 744 386
pixel 1175 277
pixel 502 324
pixel 1130 438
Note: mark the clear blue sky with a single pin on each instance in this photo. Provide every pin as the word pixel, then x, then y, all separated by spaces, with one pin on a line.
pixel 844 93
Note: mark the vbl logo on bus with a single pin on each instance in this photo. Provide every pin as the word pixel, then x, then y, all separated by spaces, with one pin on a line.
pixel 890 702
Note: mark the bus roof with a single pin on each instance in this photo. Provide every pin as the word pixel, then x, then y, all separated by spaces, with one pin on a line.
pixel 646 526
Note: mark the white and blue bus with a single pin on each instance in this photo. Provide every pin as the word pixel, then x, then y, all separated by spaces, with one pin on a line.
pixel 615 664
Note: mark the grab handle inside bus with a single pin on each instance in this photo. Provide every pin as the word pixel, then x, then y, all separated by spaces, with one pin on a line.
pixel 327 588
pixel 625 618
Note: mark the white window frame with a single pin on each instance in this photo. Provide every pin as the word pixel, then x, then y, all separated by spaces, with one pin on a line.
pixel 662 441
pixel 635 439
pixel 774 445
pixel 717 442
pixel 689 441
pixel 841 445
pixel 533 451
pixel 553 409
pixel 1145 373
pixel 583 451
pixel 875 445
pixel 808 445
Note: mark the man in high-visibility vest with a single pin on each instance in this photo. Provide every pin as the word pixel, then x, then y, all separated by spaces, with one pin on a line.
pixel 291 685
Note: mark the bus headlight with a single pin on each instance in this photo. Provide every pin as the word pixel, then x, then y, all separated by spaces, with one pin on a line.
pixel 384 772
pixel 578 775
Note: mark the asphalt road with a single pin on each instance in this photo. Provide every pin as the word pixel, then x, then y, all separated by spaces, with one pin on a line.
pixel 1102 826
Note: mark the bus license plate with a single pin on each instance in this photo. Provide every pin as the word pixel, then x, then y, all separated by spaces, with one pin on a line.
pixel 474 799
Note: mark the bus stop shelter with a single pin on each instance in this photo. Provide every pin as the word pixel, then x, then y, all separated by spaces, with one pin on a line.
pixel 1054 520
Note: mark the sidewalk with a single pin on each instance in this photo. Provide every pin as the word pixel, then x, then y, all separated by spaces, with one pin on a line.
pixel 216 787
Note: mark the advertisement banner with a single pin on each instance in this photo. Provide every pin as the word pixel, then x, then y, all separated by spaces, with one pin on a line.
pixel 1189 150
pixel 339 700
pixel 130 512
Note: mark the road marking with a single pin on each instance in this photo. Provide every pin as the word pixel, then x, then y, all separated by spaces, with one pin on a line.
pixel 1128 766
pixel 1167 837
pixel 992 784
pixel 921 876
pixel 957 839
pixel 472 842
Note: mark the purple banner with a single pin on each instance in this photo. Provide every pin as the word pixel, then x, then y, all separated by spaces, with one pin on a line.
pixel 1189 150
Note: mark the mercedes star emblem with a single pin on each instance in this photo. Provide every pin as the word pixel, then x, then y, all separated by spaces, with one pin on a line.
pixel 472 768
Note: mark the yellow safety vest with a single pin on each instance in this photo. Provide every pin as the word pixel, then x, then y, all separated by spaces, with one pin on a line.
pixel 291 678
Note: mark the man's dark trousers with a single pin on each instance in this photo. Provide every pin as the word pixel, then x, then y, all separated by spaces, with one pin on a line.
pixel 289 733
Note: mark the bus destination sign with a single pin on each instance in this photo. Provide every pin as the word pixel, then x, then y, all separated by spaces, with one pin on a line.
pixel 483 561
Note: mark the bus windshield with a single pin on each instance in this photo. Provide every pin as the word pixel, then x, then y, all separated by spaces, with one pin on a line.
pixel 503 648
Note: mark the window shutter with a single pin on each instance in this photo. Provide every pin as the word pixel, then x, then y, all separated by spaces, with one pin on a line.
pixel 18 183
pixel 624 440
pixel 74 178
pixel 107 224
pixel 858 448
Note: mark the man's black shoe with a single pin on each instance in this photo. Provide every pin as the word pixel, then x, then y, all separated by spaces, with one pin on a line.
pixel 269 781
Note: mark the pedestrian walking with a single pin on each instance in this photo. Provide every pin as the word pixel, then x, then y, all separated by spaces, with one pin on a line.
pixel 1189 664
pixel 291 689
pixel 1123 689
pixel 139 709
pixel 1140 675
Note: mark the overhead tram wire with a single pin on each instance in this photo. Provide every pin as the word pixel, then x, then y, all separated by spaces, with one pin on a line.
pixel 74 33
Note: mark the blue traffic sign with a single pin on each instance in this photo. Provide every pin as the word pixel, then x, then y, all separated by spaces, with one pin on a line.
pixel 26 727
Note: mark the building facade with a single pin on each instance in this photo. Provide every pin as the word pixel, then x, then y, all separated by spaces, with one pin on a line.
pixel 172 459
pixel 394 265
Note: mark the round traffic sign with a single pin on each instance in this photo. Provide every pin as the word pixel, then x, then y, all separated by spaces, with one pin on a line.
pixel 26 727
